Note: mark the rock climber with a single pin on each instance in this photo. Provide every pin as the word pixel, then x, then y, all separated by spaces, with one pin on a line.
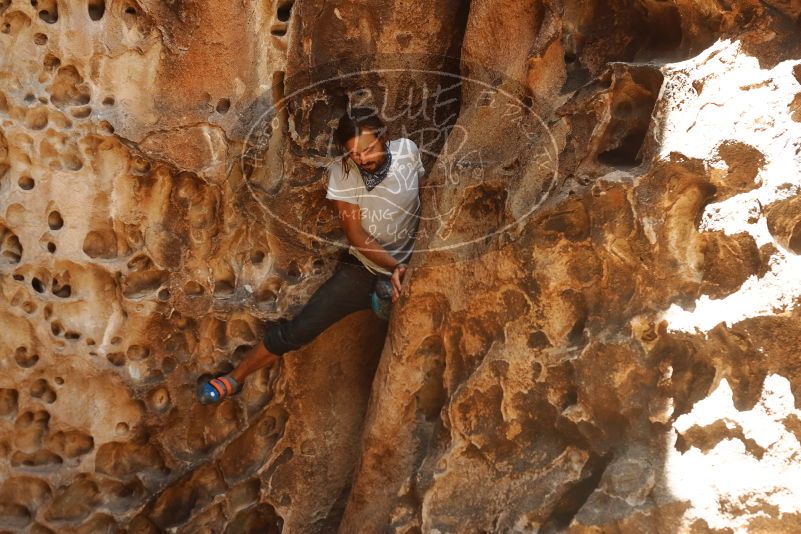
pixel 374 188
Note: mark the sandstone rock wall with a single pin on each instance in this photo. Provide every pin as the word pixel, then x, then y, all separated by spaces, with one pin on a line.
pixel 551 378
pixel 596 337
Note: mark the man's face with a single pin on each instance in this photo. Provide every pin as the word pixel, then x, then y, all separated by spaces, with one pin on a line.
pixel 366 150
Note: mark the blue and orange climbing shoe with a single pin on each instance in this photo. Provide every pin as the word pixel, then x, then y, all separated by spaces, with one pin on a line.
pixel 381 297
pixel 218 389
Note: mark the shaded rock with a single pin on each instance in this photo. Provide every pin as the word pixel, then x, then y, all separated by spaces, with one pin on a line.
pixel 212 519
pixel 120 497
pixel 27 491
pixel 121 460
pixel 247 493
pixel 784 222
pixel 190 493
pixel 14 516
pixel 30 428
pixel 70 444
pixel 8 402
pixel 41 460
pixel 100 523
pixel 603 302
pixel 247 453
pixel 74 502
pixel 260 518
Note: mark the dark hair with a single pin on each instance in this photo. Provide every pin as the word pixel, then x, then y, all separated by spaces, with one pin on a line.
pixel 352 124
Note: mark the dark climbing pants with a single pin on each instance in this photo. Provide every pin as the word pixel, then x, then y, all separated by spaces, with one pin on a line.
pixel 347 291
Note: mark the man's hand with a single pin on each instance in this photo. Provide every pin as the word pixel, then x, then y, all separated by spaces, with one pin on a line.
pixel 397 278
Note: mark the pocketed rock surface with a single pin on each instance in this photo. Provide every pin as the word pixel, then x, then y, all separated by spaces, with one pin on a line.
pixel 611 347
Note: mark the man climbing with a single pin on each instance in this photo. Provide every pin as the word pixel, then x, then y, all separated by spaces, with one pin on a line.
pixel 374 187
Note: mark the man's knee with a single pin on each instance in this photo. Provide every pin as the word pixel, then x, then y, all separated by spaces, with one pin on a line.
pixel 344 293
pixel 292 335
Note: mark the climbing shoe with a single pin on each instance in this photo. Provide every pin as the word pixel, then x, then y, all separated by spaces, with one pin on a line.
pixel 381 297
pixel 218 389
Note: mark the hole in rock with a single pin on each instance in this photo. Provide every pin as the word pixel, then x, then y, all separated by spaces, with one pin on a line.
pixel 634 94
pixel 257 256
pixel 664 31
pixel 626 153
pixel 51 62
pixel 24 359
pixel 108 101
pixel 140 263
pixel 138 284
pixel 159 399
pixel 538 340
pixel 56 328
pixel 293 271
pixel 41 460
pixel 140 166
pixel 51 247
pixel 19 277
pixel 64 291
pixel 284 11
pixel 574 498
pixel 37 285
pixel 40 39
pixel 58 380
pixel 36 119
pixel 40 389
pixel 116 359
pixel 69 88
pixel 223 288
pixel 164 295
pixel 10 247
pixel 100 244
pixel 223 105
pixel 48 11
pixel 169 365
pixel 268 292
pixel 81 113
pixel 54 220
pixel 138 352
pixel 72 162
pixel 96 9
pixel 26 183
pixel 193 289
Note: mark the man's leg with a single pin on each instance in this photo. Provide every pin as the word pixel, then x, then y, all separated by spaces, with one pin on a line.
pixel 254 359
pixel 347 291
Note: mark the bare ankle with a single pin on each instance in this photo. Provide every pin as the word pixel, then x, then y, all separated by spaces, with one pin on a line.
pixel 238 376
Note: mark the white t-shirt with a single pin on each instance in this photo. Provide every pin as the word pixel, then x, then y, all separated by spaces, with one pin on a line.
pixel 390 212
